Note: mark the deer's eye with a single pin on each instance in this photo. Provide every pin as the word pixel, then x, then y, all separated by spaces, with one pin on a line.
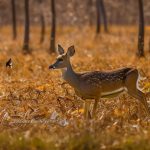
pixel 60 59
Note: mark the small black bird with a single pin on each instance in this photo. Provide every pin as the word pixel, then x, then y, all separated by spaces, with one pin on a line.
pixel 9 63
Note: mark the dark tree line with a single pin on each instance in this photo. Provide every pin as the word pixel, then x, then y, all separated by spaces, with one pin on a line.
pixel 101 17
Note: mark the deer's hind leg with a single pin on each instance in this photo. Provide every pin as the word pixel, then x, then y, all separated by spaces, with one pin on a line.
pixel 140 96
pixel 131 85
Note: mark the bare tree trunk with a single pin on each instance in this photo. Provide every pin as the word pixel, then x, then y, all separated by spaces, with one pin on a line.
pixel 140 52
pixel 42 28
pixel 149 45
pixel 98 25
pixel 26 28
pixel 42 21
pixel 14 19
pixel 103 14
pixel 89 11
pixel 53 27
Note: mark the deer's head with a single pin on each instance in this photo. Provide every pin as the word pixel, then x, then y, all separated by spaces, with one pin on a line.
pixel 63 60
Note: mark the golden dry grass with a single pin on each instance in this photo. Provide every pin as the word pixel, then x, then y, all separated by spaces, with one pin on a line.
pixel 37 111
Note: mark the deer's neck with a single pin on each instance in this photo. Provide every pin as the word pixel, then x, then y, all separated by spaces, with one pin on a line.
pixel 70 76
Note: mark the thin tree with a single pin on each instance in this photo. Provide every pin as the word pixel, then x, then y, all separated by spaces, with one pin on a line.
pixel 26 27
pixel 89 10
pixel 42 28
pixel 103 14
pixel 42 21
pixel 140 52
pixel 53 27
pixel 14 28
pixel 98 20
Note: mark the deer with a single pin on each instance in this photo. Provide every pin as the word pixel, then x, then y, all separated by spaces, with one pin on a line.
pixel 97 84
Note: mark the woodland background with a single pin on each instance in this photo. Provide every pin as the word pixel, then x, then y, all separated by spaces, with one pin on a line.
pixel 37 110
pixel 76 12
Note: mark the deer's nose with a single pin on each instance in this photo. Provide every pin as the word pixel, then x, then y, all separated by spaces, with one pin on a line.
pixel 51 67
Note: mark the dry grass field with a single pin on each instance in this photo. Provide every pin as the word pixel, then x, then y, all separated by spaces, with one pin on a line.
pixel 38 111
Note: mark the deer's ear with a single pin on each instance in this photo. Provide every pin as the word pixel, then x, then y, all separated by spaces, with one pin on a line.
pixel 60 49
pixel 71 51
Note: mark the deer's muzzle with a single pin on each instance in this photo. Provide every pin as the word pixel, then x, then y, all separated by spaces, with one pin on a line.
pixel 51 67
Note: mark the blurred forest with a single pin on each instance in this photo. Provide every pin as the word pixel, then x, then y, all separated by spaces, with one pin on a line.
pixel 76 12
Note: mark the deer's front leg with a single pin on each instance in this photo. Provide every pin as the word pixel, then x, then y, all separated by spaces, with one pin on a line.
pixel 95 108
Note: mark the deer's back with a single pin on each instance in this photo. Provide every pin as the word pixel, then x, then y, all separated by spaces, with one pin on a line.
pixel 95 83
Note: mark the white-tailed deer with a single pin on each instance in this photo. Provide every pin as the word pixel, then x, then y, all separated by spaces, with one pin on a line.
pixel 96 84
